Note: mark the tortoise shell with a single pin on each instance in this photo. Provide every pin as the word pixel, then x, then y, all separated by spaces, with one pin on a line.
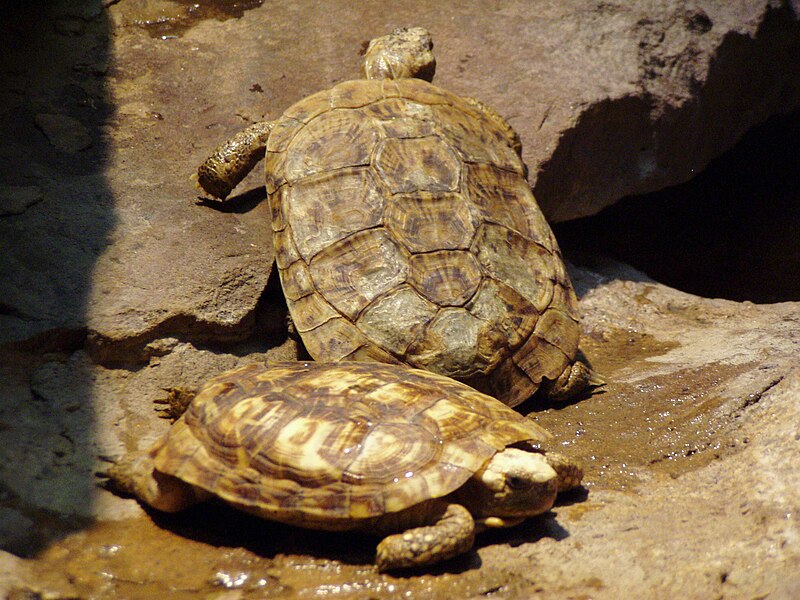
pixel 333 445
pixel 405 231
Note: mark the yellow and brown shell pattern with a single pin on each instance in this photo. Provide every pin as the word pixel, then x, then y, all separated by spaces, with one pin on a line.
pixel 405 231
pixel 336 445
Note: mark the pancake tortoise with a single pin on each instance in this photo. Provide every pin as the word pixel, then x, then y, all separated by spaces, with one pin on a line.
pixel 386 449
pixel 405 230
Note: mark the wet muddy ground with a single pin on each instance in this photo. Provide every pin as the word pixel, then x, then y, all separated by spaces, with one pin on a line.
pixel 172 18
pixel 688 488
pixel 627 436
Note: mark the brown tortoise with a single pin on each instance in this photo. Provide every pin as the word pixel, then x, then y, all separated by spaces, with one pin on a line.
pixel 405 230
pixel 354 446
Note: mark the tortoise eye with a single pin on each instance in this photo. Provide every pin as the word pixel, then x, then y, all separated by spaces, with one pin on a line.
pixel 516 483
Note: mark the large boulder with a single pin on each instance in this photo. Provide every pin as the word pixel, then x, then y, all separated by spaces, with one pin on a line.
pixel 105 238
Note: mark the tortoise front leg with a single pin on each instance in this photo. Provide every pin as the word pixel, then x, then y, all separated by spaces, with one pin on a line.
pixel 570 473
pixel 451 534
pixel 233 160
pixel 175 403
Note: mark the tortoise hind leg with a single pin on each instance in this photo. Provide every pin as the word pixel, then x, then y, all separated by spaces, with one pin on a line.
pixel 451 533
pixel 574 380
pixel 233 160
pixel 136 475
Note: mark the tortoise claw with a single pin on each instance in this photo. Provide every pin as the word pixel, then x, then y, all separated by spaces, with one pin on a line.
pixel 175 402
pixel 104 475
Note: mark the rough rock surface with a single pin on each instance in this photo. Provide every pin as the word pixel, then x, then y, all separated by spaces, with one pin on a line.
pixel 609 99
pixel 690 455
pixel 116 284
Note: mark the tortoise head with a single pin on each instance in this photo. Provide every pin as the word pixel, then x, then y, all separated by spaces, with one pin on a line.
pixel 513 483
pixel 406 52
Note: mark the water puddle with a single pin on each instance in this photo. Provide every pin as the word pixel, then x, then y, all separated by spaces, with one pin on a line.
pixel 215 552
pixel 630 432
pixel 172 18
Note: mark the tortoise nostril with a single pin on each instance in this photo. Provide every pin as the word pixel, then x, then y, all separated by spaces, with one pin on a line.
pixel 516 483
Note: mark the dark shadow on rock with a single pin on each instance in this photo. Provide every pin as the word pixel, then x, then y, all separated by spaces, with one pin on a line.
pixel 56 214
pixel 458 564
pixel 271 320
pixel 731 232
pixel 613 129
pixel 220 525
pixel 535 404
pixel 239 203
pixel 527 532
pixel 573 496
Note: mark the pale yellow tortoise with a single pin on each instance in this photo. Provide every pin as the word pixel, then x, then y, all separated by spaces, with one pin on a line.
pixel 384 449
pixel 405 230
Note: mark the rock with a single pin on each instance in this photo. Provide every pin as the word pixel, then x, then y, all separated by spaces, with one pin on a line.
pixel 681 370
pixel 16 199
pixel 587 91
pixel 15 530
pixel 70 26
pixel 697 523
pixel 118 283
pixel 46 259
pixel 59 416
pixel 688 453
pixel 64 132
pixel 682 83
pixel 48 435
pixel 604 96
pixel 609 99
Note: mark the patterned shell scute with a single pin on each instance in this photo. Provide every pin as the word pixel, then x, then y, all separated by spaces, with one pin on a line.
pixel 403 220
pixel 333 443
pixel 327 208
